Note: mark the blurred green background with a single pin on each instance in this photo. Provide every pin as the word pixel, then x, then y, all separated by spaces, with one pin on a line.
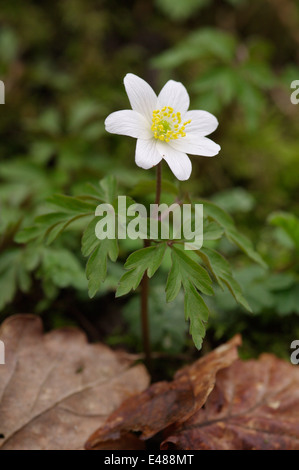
pixel 63 65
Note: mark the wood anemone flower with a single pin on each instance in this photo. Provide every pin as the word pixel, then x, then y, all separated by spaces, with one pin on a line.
pixel 163 126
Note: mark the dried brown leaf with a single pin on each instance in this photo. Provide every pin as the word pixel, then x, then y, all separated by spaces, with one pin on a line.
pixel 254 405
pixel 55 388
pixel 164 403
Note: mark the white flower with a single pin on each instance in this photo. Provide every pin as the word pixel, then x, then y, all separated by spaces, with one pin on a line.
pixel 163 126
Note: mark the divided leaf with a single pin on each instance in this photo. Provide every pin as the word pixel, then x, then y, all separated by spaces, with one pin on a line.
pixel 174 280
pixel 185 271
pixel 232 234
pixel 222 272
pixel 14 273
pixel 104 192
pixel 96 268
pixel 68 210
pixel 89 241
pixel 147 259
pixel 197 312
pixel 70 204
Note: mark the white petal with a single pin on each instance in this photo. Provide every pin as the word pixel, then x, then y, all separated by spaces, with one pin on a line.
pixel 128 122
pixel 175 95
pixel 178 162
pixel 147 155
pixel 196 145
pixel 202 122
pixel 142 97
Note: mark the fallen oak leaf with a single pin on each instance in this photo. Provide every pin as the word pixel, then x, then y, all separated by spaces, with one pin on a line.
pixel 254 406
pixel 164 403
pixel 55 387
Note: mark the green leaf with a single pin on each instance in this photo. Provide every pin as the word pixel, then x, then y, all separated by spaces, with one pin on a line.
pixel 287 302
pixel 190 271
pixel 53 232
pixel 212 230
pixel 53 224
pixel 31 256
pixel 254 282
pixel 185 270
pixel 71 204
pixel 245 244
pixel 89 240
pixel 82 112
pixel 91 191
pixel 99 250
pixel 167 324
pixel 8 277
pixel 51 219
pixel 62 268
pixel 28 234
pixel 24 279
pixel 130 280
pixel 232 234
pixel 289 223
pixel 259 73
pixel 201 44
pixel 50 226
pixel 217 214
pixel 151 257
pixel 14 274
pixel 9 44
pixel 181 10
pixel 234 200
pixel 147 259
pixel 96 269
pixel 113 250
pixel 197 312
pixel 219 81
pixel 108 187
pixel 174 280
pixel 252 102
pixel 221 270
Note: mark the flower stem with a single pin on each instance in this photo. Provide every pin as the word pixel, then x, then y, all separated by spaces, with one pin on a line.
pixel 159 183
pixel 145 288
pixel 144 317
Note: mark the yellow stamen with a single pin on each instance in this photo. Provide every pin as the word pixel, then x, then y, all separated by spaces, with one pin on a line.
pixel 166 124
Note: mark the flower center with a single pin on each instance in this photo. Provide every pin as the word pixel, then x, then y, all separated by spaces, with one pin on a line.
pixel 167 124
